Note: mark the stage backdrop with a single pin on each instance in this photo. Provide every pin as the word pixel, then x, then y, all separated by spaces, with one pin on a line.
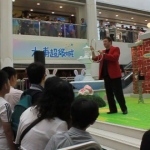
pixel 55 49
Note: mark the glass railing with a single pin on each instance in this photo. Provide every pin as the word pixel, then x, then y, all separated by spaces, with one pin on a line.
pixel 48 28
pixel 118 35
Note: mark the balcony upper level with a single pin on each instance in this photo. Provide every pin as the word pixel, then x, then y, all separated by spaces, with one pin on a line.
pixel 69 30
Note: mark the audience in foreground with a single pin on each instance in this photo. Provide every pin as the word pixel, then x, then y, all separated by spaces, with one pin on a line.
pixel 53 108
pixel 36 76
pixel 83 114
pixel 14 95
pixel 6 134
pixel 145 144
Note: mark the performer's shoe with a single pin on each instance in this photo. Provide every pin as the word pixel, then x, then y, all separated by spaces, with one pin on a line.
pixel 125 112
pixel 112 112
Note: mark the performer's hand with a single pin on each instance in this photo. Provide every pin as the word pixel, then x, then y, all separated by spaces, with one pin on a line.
pixel 91 48
pixel 100 51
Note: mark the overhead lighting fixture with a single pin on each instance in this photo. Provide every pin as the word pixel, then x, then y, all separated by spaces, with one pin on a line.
pixel 38 3
pixel 53 12
pixel 100 12
pixel 29 14
pixel 106 19
pixel 13 0
pixel 72 15
pixel 148 25
pixel 134 23
pixel 145 20
pixel 121 21
pixel 117 15
pixel 132 18
pixel 31 9
pixel 108 22
pixel 61 7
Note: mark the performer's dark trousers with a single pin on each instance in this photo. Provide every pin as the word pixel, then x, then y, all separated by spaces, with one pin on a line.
pixel 114 88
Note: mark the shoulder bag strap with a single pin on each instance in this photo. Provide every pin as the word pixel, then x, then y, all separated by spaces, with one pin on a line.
pixel 29 128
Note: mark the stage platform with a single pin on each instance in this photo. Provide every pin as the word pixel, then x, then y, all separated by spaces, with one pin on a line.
pixel 137 117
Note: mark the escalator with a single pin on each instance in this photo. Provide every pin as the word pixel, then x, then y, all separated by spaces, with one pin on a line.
pixel 127 79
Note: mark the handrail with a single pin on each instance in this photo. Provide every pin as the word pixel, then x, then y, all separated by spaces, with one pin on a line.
pixel 127 66
pixel 32 20
pixel 48 28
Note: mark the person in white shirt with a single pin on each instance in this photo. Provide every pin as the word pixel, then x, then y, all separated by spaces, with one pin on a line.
pixel 6 134
pixel 53 108
pixel 83 113
pixel 14 95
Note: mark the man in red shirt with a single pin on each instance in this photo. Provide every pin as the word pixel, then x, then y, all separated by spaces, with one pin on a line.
pixel 110 72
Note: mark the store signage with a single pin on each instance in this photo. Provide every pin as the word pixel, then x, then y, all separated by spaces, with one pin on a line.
pixel 147 55
pixel 23 49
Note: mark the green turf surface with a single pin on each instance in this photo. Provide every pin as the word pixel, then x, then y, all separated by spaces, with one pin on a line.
pixel 138 116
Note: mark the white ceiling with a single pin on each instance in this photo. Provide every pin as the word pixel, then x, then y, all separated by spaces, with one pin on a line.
pixel 123 17
pixel 47 6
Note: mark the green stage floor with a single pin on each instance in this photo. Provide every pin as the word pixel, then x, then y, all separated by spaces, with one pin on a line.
pixel 138 116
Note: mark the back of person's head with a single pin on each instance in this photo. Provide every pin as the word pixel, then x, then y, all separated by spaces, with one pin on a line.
pixel 57 99
pixel 12 75
pixel 4 82
pixel 84 113
pixel 36 73
pixel 10 71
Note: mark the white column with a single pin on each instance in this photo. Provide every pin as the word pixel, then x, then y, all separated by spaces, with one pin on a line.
pixel 80 13
pixel 91 20
pixel 6 37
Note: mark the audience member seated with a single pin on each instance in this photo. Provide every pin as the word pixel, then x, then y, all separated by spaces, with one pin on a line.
pixel 36 76
pixel 83 114
pixel 14 95
pixel 53 108
pixel 145 144
pixel 6 134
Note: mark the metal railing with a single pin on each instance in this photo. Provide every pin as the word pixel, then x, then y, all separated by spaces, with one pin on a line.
pixel 119 35
pixel 48 28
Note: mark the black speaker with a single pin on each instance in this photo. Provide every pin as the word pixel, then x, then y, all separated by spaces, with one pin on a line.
pixel 39 56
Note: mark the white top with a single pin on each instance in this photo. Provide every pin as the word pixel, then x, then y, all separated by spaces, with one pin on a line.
pixel 72 137
pixel 13 97
pixel 5 116
pixel 38 137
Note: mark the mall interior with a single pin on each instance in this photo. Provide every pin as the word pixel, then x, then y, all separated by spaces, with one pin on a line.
pixel 61 32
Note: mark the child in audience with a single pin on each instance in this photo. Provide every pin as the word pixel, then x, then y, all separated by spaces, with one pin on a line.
pixel 36 75
pixel 83 114
pixel 54 108
pixel 6 134
pixel 14 95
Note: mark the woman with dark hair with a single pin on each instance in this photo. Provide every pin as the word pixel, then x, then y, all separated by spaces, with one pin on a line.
pixel 53 109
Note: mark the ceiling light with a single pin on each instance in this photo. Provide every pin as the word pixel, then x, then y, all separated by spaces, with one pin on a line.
pixel 106 19
pixel 53 12
pixel 100 12
pixel 38 3
pixel 134 23
pixel 29 14
pixel 121 21
pixel 108 22
pixel 31 9
pixel 145 20
pixel 132 18
pixel 61 7
pixel 13 0
pixel 72 15
pixel 117 15
pixel 148 25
